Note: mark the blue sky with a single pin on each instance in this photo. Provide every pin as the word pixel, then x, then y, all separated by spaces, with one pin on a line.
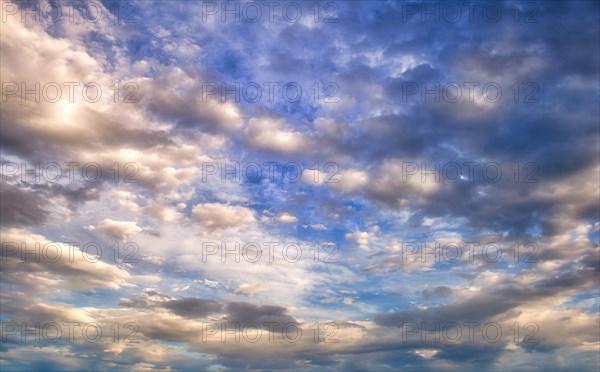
pixel 383 171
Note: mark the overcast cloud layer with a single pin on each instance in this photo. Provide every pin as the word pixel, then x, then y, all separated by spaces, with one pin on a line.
pixel 357 185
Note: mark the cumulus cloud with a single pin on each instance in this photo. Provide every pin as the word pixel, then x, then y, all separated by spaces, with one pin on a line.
pixel 179 97
pixel 361 237
pixel 313 177
pixel 286 218
pixel 271 134
pixel 351 180
pixel 246 313
pixel 120 230
pixel 217 215
pixel 190 307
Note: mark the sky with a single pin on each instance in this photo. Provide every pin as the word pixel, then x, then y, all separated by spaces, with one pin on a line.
pixel 299 185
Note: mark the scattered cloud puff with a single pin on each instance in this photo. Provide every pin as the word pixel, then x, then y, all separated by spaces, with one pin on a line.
pixel 286 218
pixel 119 230
pixel 271 134
pixel 217 215
pixel 361 237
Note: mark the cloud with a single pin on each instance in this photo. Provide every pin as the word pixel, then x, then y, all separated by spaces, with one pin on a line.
pixel 190 307
pixel 286 218
pixel 168 98
pixel 216 215
pixel 65 265
pixel 271 134
pixel 439 291
pixel 250 289
pixel 499 298
pixel 361 237
pixel 120 230
pixel 246 313
pixel 351 181
pixel 20 207
pixel 318 227
pixel 170 54
pixel 313 177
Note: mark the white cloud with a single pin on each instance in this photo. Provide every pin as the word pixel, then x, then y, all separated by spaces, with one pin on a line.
pixel 119 230
pixel 217 215
pixel 313 177
pixel 361 237
pixel 318 226
pixel 271 134
pixel 286 218
pixel 351 180
pixel 250 289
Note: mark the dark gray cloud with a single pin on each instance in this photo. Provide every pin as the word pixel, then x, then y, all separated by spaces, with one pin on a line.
pixel 191 307
pixel 20 207
pixel 439 291
pixel 501 298
pixel 245 313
